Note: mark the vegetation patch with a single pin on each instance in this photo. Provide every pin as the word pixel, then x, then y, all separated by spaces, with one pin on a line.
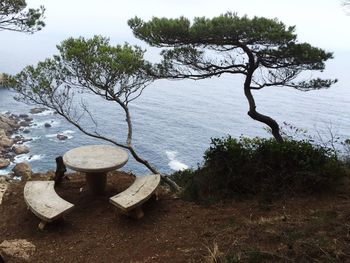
pixel 258 166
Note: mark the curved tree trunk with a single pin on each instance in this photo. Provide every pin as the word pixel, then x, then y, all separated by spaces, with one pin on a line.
pixel 252 107
pixel 260 117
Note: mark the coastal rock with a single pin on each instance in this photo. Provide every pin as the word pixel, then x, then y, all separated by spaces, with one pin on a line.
pixel 22 170
pixel 26 131
pixel 24 123
pixel 20 149
pixel 8 124
pixel 18 139
pixel 17 249
pixel 37 110
pixel 7 119
pixel 28 119
pixel 5 126
pixel 23 115
pixel 4 140
pixel 2 133
pixel 62 137
pixel 4 163
pixel 47 125
pixel 7 154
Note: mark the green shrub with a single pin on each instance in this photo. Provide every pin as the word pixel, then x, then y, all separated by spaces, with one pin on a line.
pixel 235 167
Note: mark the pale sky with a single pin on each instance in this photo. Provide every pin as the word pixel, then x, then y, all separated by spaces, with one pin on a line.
pixel 322 23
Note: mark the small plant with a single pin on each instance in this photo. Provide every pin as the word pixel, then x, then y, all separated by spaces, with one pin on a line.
pixel 215 255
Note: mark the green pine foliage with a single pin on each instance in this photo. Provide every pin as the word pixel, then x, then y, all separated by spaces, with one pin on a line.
pixel 115 73
pixel 15 17
pixel 264 51
pixel 233 44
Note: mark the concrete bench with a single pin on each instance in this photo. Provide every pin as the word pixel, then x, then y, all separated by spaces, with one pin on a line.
pixel 130 200
pixel 44 202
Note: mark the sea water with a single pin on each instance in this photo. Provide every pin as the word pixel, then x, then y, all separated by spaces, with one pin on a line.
pixel 174 121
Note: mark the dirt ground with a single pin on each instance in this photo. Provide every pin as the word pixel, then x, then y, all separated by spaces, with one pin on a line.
pixel 313 229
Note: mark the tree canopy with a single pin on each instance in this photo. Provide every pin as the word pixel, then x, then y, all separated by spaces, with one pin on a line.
pixel 264 50
pixel 116 73
pixel 15 17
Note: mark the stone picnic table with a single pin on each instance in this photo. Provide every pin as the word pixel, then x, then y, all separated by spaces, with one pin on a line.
pixel 95 161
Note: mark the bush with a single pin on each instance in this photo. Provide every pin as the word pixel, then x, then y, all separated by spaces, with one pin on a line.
pixel 258 166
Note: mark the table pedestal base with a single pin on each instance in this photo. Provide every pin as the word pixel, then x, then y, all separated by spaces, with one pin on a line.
pixel 96 182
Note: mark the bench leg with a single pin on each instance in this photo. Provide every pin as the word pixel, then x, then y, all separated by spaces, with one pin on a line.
pixel 136 213
pixel 42 225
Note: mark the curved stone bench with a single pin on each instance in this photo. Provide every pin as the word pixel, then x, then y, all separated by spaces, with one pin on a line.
pixel 130 200
pixel 42 199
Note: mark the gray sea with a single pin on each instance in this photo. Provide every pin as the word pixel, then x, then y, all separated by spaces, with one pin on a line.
pixel 174 120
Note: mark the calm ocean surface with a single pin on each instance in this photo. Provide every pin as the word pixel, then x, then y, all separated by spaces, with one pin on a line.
pixel 174 120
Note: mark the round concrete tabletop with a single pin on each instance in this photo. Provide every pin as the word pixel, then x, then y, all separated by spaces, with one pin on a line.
pixel 95 158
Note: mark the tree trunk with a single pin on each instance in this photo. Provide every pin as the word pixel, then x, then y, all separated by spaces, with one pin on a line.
pixel 260 117
pixel 268 121
pixel 253 65
pixel 60 170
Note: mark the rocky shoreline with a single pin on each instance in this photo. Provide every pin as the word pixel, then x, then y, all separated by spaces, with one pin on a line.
pixel 12 126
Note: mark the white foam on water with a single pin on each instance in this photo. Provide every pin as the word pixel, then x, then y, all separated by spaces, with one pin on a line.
pixel 26 137
pixel 35 138
pixel 41 124
pixel 6 170
pixel 28 143
pixel 68 132
pixel 53 137
pixel 28 158
pixel 45 113
pixel 174 164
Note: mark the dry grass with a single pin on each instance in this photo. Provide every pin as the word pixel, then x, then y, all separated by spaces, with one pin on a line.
pixel 215 255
